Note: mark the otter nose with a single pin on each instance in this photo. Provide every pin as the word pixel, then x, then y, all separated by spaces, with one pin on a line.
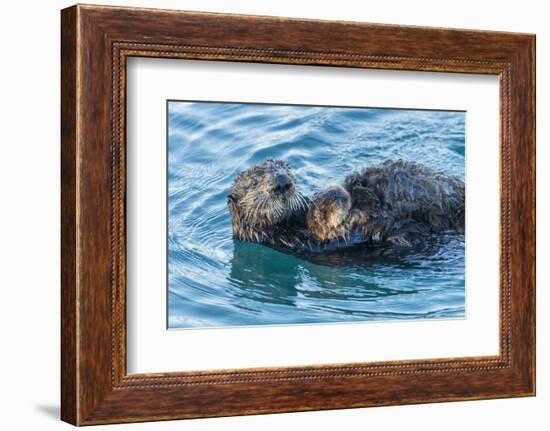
pixel 282 183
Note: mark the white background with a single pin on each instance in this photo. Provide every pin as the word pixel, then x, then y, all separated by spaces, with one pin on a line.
pixel 153 349
pixel 29 228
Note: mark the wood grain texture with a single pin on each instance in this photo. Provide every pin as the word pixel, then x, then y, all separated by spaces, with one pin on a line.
pixel 96 41
pixel 69 366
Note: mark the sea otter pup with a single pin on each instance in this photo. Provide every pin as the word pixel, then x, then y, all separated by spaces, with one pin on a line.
pixel 396 202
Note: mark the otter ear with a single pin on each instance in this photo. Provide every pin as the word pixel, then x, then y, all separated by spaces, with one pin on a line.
pixel 231 198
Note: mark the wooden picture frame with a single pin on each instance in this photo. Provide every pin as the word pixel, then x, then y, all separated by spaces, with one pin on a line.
pixel 95 43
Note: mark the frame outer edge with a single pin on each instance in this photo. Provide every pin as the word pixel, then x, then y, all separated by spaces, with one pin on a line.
pixel 530 62
pixel 523 213
pixel 532 101
pixel 533 53
pixel 69 201
pixel 88 397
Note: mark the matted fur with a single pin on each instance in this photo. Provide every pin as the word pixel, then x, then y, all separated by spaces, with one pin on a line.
pixel 397 202
pixel 401 200
pixel 329 213
pixel 260 212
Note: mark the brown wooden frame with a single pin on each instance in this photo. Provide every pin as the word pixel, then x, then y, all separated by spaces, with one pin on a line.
pixel 95 43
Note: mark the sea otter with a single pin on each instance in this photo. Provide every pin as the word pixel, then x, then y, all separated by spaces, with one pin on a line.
pixel 397 202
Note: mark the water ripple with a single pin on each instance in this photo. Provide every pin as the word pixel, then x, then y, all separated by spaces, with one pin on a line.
pixel 215 281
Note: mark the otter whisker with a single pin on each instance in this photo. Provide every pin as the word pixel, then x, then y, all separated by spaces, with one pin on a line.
pixel 297 204
pixel 292 203
pixel 280 208
pixel 274 207
pixel 302 201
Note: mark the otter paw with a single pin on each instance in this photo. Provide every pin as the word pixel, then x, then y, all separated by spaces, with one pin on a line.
pixel 328 214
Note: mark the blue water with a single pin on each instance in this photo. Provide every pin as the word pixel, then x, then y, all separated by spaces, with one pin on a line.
pixel 215 281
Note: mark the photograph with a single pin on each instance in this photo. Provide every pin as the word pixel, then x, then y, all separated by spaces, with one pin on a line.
pixel 307 214
pixel 284 214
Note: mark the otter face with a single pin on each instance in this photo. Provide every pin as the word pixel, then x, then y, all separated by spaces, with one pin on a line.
pixel 262 197
pixel 328 215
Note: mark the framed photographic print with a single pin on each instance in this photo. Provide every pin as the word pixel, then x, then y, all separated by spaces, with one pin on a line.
pixel 264 214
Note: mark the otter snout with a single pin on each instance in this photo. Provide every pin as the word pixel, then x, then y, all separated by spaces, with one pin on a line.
pixel 282 183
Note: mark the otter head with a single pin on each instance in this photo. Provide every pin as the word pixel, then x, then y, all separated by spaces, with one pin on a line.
pixel 261 198
pixel 328 217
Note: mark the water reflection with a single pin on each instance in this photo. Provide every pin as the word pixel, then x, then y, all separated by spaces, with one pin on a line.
pixel 265 274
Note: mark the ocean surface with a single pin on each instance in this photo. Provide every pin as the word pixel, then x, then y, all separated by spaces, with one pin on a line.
pixel 215 281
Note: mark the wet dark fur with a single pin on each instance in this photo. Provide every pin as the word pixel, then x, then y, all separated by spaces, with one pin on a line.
pixel 328 216
pixel 261 213
pixel 395 202
pixel 400 201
